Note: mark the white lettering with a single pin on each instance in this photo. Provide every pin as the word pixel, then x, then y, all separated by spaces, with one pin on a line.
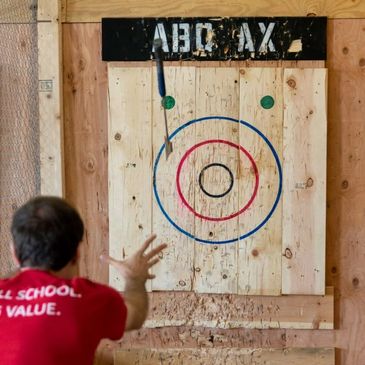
pixel 160 33
pixel 184 37
pixel 29 294
pixel 6 295
pixel 245 39
pixel 204 34
pixel 266 41
pixel 73 294
pixel 50 291
pixel 11 311
pixel 32 310
pixel 51 309
pixel 47 292
pixel 34 293
pixel 63 291
pixel 21 295
pixel 208 37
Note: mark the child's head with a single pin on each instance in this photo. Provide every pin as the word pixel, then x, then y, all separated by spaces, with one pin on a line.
pixel 46 233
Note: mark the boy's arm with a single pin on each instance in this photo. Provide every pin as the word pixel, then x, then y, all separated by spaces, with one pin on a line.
pixel 135 270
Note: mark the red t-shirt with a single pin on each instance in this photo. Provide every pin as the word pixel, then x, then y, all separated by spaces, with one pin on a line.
pixel 46 320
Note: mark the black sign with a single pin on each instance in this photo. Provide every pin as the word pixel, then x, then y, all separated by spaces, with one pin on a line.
pixel 215 39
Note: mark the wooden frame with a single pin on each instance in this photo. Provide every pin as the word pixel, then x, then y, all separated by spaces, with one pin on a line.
pixel 93 10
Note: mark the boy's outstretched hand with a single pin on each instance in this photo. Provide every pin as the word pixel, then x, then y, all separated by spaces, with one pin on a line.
pixel 135 271
pixel 136 267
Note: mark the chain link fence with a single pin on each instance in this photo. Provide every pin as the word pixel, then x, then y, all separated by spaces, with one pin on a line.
pixel 19 130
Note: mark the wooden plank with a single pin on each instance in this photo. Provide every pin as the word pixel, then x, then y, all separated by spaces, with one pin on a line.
pixel 94 10
pixel 198 337
pixel 49 10
pixel 174 272
pixel 130 158
pixel 215 264
pixel 86 141
pixel 236 311
pixel 261 105
pixel 225 356
pixel 346 182
pixel 304 186
pixel 63 11
pixel 50 98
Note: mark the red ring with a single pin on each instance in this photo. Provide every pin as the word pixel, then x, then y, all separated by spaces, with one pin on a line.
pixel 188 152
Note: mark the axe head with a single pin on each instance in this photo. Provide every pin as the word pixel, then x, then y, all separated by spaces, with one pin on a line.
pixel 168 146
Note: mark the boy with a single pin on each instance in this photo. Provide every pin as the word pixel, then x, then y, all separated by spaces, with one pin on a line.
pixel 48 315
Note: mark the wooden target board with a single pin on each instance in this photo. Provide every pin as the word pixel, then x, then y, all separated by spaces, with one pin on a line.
pixel 241 200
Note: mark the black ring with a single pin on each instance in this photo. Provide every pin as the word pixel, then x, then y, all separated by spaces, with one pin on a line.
pixel 201 178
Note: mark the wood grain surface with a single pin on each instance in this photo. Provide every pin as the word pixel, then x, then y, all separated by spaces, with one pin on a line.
pixel 260 254
pixel 86 141
pixel 175 265
pixel 136 120
pixel 227 356
pixel 130 160
pixel 50 98
pixel 239 311
pixel 304 183
pixel 216 264
pixel 346 183
pixel 94 10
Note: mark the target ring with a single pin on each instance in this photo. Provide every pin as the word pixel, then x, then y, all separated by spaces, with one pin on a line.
pixel 270 209
pixel 201 178
pixel 231 144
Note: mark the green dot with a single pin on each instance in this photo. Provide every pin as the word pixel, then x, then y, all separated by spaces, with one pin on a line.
pixel 168 102
pixel 267 102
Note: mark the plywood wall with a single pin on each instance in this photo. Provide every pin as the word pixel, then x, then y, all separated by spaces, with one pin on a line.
pixel 86 186
pixel 86 141
pixel 345 179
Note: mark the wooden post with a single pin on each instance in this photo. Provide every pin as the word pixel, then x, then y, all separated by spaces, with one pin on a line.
pixel 50 97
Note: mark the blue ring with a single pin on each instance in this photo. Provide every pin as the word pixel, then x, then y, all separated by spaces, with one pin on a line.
pixel 277 196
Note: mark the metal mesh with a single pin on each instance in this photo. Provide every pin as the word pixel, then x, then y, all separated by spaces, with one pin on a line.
pixel 19 130
pixel 18 11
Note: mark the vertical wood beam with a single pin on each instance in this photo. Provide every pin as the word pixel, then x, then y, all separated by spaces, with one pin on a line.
pixel 50 97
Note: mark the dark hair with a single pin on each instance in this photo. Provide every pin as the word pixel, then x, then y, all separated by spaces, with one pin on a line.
pixel 46 233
